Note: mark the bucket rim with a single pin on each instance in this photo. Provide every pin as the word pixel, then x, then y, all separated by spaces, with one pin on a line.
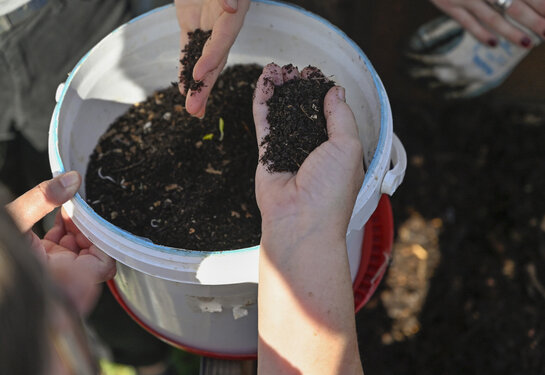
pixel 58 167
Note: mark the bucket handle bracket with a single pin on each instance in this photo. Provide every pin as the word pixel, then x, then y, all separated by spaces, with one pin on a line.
pixel 58 92
pixel 394 177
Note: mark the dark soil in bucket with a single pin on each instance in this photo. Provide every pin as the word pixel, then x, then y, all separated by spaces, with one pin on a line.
pixel 192 52
pixel 179 181
pixel 296 120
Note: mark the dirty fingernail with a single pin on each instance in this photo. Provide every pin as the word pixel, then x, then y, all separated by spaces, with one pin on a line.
pixel 341 94
pixel 232 3
pixel 69 179
pixel 492 42
pixel 525 42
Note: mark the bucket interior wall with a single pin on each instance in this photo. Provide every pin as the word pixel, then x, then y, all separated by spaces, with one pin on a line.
pixel 142 57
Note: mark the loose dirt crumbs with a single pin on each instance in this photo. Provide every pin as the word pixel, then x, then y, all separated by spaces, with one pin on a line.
pixel 296 120
pixel 192 52
pixel 179 181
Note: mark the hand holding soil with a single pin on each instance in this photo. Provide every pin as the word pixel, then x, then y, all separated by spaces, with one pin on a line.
pixel 304 279
pixel 322 193
pixel 224 18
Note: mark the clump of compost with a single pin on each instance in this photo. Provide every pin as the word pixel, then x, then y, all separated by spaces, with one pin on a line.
pixel 296 120
pixel 192 52
pixel 179 181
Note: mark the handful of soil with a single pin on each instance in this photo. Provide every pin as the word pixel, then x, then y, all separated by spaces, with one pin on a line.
pixel 162 174
pixel 192 52
pixel 297 124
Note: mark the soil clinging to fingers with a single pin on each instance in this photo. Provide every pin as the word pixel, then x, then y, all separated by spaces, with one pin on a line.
pixel 192 52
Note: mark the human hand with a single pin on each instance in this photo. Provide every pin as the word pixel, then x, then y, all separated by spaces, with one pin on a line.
pixel 73 261
pixel 320 196
pixel 225 19
pixel 482 20
pixel 304 288
pixel 451 61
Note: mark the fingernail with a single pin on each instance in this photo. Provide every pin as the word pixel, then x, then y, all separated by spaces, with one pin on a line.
pixel 69 179
pixel 492 42
pixel 232 3
pixel 525 42
pixel 341 94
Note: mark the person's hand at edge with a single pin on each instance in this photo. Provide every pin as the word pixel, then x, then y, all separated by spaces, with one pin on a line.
pixel 483 21
pixel 225 19
pixel 74 262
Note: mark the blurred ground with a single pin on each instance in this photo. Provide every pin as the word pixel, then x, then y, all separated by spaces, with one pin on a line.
pixel 465 292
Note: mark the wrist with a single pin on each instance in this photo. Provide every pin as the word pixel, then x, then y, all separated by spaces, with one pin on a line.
pixel 302 222
pixel 293 234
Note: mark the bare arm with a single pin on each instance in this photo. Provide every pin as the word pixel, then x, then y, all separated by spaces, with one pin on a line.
pixel 306 307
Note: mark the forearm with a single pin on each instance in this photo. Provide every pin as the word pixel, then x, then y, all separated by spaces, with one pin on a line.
pixel 305 289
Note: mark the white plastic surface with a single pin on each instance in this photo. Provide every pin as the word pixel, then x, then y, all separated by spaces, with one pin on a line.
pixel 218 318
pixel 394 177
pixel 58 92
pixel 160 284
pixel 141 57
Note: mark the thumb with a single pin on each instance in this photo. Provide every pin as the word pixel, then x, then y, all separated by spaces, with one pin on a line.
pixel 32 206
pixel 339 116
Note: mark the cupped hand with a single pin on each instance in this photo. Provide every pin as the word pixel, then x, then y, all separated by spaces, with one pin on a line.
pixel 321 195
pixel 73 261
pixel 305 290
pixel 225 19
pixel 481 19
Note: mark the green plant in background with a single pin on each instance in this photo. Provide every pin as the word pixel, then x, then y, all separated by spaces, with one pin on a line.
pixel 109 368
pixel 185 364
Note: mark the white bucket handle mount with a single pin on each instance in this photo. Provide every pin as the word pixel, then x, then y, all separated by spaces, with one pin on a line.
pixel 394 177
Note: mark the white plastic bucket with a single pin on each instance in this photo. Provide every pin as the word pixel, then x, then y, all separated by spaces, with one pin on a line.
pixel 207 300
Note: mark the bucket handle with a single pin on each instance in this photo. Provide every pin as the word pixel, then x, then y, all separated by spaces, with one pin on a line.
pixel 58 93
pixel 394 177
